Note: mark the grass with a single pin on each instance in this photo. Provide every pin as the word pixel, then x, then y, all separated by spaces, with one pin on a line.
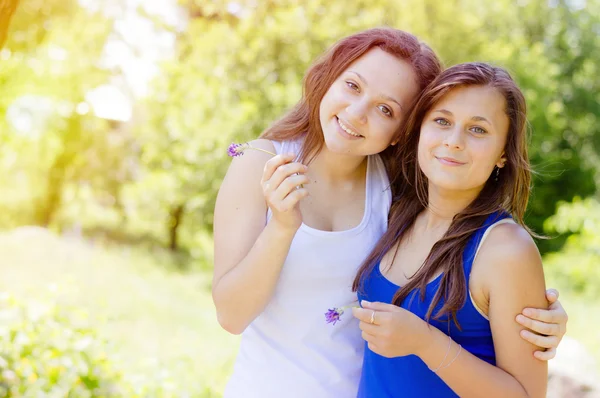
pixel 161 323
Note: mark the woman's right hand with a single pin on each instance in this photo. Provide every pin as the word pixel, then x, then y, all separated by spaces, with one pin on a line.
pixel 282 183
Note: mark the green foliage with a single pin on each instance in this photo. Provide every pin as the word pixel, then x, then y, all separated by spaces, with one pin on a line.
pixel 52 140
pixel 576 266
pixel 237 67
pixel 162 334
pixel 50 349
pixel 46 349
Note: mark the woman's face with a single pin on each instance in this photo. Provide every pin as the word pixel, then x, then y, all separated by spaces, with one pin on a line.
pixel 363 108
pixel 463 138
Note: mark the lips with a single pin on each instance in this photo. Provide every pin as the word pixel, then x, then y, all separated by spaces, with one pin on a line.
pixel 449 161
pixel 348 128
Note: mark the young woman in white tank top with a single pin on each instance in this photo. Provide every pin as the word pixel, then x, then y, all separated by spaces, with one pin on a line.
pixel 289 237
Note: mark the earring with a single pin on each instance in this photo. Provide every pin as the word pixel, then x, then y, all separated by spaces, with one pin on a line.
pixel 497 173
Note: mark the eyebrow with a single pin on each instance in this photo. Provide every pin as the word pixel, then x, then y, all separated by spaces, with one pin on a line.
pixel 387 97
pixel 475 118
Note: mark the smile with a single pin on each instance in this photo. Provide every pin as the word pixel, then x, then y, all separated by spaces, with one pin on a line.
pixel 449 161
pixel 347 129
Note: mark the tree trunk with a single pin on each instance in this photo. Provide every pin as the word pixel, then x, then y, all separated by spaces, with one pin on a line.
pixel 7 10
pixel 53 199
pixel 176 216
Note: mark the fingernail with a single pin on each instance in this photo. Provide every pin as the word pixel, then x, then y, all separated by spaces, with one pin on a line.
pixel 527 312
pixel 363 302
pixel 520 318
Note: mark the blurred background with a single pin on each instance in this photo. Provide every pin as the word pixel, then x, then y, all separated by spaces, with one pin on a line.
pixel 115 116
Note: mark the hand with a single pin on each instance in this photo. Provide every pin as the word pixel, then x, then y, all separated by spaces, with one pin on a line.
pixel 394 332
pixel 282 184
pixel 549 326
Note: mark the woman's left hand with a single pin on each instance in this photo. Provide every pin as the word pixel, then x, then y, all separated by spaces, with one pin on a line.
pixel 393 332
pixel 548 326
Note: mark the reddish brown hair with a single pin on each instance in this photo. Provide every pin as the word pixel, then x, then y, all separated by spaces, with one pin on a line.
pixel 303 119
pixel 510 193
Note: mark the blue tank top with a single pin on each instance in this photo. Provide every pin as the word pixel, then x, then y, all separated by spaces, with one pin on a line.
pixel 409 376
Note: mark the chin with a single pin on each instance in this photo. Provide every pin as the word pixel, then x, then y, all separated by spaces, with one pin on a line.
pixel 334 145
pixel 447 183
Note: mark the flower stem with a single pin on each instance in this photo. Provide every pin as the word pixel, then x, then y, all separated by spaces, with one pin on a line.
pixel 262 150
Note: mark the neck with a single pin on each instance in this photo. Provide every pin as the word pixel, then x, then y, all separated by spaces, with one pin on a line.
pixel 444 205
pixel 333 167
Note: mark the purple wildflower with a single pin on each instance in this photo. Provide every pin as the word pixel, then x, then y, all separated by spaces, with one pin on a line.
pixel 333 315
pixel 234 150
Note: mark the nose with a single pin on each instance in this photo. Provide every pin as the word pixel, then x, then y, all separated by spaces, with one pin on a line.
pixel 357 111
pixel 455 138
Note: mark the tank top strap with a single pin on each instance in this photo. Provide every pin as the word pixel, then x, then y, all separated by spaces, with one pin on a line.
pixel 287 146
pixel 473 246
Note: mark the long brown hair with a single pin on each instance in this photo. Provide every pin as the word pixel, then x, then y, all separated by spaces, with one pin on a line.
pixel 509 193
pixel 303 119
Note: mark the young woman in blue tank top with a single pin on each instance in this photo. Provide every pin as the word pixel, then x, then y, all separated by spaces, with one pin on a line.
pixel 266 285
pixel 441 290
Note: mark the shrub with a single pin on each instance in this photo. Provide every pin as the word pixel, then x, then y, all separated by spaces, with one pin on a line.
pixel 48 350
pixel 576 266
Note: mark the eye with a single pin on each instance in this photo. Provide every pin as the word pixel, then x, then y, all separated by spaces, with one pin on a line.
pixel 385 110
pixel 352 85
pixel 478 130
pixel 441 121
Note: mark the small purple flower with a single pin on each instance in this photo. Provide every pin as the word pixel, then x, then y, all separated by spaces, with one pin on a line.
pixel 234 150
pixel 333 315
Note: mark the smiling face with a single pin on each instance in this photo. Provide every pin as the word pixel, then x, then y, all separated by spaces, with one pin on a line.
pixel 462 138
pixel 363 108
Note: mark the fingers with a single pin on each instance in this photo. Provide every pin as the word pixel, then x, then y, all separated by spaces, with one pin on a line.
pixel 273 163
pixel 548 316
pixel 551 295
pixel 373 347
pixel 545 355
pixel 381 307
pixel 368 337
pixel 283 171
pixel 283 182
pixel 291 200
pixel 288 185
pixel 540 341
pixel 539 327
pixel 364 315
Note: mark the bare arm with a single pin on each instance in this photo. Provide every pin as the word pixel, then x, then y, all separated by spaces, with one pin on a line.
pixel 249 254
pixel 513 280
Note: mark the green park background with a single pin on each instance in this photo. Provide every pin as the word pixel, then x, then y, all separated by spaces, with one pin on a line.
pixel 115 116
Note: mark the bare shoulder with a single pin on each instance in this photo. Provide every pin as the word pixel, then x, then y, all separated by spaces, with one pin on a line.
pixel 240 209
pixel 246 170
pixel 508 258
pixel 509 245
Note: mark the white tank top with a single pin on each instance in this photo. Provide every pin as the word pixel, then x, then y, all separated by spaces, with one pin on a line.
pixel 289 350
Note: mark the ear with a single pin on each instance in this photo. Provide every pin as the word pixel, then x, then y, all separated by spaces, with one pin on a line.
pixel 502 161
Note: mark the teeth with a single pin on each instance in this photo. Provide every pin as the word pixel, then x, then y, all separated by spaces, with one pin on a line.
pixel 347 130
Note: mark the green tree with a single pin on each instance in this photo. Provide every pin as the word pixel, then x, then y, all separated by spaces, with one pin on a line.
pixel 52 58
